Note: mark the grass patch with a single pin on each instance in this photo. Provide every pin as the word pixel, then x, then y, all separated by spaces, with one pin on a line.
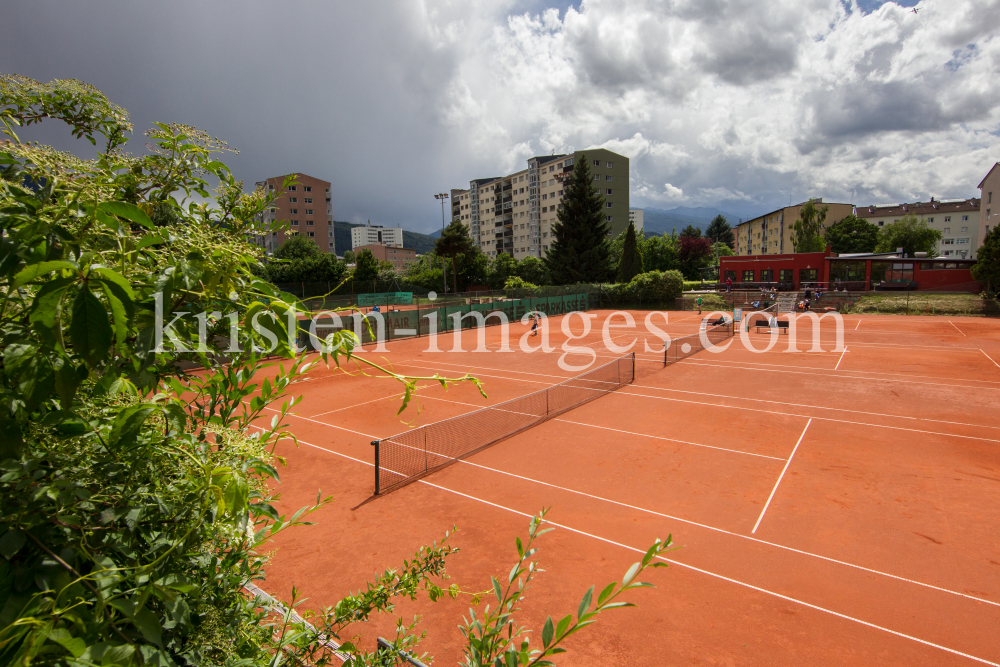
pixel 924 303
pixel 709 302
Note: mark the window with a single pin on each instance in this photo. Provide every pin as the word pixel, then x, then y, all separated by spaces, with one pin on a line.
pixel 730 275
pixel 989 198
pixel 784 275
pixel 294 211
pixel 948 242
pixel 808 274
pixel 295 223
pixel 965 217
pixel 963 241
pixel 748 276
pixel 308 188
pixel 309 211
pixel 608 204
pixel 310 234
pixel 270 187
pixel 292 188
pixel 608 177
pixel 609 191
pixel 308 200
pixel 947 218
pixel 947 230
pixel 881 222
pixel 597 163
pixel 930 219
pixel 610 219
pixel 309 223
pixel 965 229
pixel 610 165
pixel 330 233
pixel 552 168
pixel 293 199
pixel 328 189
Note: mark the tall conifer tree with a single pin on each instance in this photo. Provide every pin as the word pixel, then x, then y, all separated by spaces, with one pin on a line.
pixel 631 262
pixel 581 249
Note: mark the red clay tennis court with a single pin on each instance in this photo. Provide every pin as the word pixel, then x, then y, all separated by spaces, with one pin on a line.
pixel 832 507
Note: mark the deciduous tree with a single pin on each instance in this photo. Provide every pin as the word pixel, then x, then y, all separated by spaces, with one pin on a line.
pixel 909 233
pixel 852 234
pixel 455 241
pixel 807 230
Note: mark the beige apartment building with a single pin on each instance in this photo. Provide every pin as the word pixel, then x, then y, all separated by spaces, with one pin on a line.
pixel 987 187
pixel 306 206
pixel 514 214
pixel 771 233
pixel 956 219
pixel 399 256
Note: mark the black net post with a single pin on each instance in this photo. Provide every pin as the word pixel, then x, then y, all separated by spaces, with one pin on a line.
pixel 375 445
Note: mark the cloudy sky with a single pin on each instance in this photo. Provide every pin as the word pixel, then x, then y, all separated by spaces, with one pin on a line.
pixel 740 104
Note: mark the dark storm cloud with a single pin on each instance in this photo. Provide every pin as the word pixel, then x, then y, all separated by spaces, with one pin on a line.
pixel 345 92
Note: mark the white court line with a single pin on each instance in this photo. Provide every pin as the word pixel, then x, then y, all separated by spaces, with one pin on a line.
pixel 859 324
pixel 780 477
pixel 841 358
pixel 694 362
pixel 989 357
pixel 723 577
pixel 792 414
pixel 956 328
pixel 811 407
pixel 374 400
pixel 686 521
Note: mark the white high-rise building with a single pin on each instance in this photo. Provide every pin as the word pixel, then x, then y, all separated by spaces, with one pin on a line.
pixel 376 235
pixel 635 217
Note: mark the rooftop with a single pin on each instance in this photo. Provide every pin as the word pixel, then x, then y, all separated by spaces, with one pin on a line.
pixel 920 208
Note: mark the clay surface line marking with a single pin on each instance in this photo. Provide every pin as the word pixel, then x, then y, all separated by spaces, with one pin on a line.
pixel 780 477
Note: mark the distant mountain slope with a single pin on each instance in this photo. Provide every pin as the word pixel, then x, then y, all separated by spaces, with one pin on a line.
pixel 342 237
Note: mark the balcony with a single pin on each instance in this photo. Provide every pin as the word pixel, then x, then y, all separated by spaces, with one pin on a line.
pixel 507 187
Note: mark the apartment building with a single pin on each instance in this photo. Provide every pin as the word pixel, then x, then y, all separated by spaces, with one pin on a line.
pixel 514 214
pixel 399 257
pixel 376 235
pixel 987 187
pixel 956 219
pixel 635 216
pixel 771 233
pixel 307 208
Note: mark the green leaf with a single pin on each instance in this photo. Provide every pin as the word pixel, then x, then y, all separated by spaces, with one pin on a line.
pixel 128 423
pixel 585 602
pixel 68 379
pixel 630 575
pixel 74 645
pixel 35 271
pixel 119 316
pixel 118 655
pixel 148 240
pixel 90 330
pixel 127 211
pixel 11 441
pixel 605 593
pixel 149 626
pixel 11 542
pixel 496 589
pixel 45 308
pixel 547 631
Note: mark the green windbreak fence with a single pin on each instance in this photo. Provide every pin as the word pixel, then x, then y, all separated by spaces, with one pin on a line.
pixel 421 317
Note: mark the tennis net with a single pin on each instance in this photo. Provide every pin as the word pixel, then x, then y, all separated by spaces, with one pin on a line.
pixel 412 454
pixel 682 348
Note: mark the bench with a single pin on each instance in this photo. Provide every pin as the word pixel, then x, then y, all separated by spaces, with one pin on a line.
pixel 781 324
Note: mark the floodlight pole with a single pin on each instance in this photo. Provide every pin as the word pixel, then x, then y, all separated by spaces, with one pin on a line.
pixel 444 269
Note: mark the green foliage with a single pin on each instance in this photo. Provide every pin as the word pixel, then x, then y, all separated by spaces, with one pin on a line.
pixel 518 283
pixel 852 234
pixel 349 257
pixel 630 264
pixel 719 231
pixel 299 260
pixel 455 241
pixel 657 286
pixel 365 266
pixel 660 253
pixel 502 268
pixel 909 233
pixel 807 231
pixel 533 270
pixel 580 251
pixel 690 232
pixel 986 270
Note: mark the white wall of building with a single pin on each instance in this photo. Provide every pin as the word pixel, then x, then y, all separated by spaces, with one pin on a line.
pixel 374 234
pixel 635 217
